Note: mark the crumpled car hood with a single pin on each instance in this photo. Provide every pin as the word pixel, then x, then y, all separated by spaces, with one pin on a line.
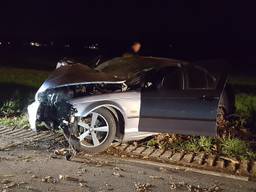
pixel 76 74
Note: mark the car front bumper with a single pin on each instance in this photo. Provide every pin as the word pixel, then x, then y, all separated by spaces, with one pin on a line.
pixel 32 114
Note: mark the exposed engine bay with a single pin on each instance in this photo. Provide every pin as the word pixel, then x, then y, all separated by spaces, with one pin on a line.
pixel 54 106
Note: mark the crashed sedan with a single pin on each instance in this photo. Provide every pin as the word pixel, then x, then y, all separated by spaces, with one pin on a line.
pixel 129 98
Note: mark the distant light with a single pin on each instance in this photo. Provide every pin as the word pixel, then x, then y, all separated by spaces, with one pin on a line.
pixel 8 42
pixel 94 46
pixel 0 43
pixel 35 44
pixel 67 45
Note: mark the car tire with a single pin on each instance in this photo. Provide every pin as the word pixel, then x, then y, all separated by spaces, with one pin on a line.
pixel 110 121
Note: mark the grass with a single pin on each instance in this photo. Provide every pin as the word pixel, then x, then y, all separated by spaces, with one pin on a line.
pixel 26 77
pixel 19 121
pixel 10 108
pixel 246 106
pixel 234 147
pixel 199 144
pixel 237 148
pixel 152 143
pixel 229 147
pixel 206 143
pixel 191 145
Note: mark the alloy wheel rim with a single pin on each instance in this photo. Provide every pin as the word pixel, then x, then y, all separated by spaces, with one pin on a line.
pixel 94 131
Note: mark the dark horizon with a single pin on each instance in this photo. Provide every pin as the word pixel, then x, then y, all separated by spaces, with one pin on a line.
pixel 198 30
pixel 126 20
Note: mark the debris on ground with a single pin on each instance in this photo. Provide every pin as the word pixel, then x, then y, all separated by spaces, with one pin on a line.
pixel 81 171
pixel 61 152
pixel 193 188
pixel 53 156
pixel 70 178
pixel 49 179
pixel 117 174
pixel 162 169
pixel 34 176
pixel 9 185
pixel 30 188
pixel 68 156
pixel 5 181
pixel 155 177
pixel 83 184
pixel 106 187
pixel 25 158
pixel 146 187
pixel 118 169
pixel 102 163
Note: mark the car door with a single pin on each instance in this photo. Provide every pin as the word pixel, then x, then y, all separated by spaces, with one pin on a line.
pixel 180 100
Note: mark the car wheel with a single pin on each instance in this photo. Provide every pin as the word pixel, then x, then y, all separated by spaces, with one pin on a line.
pixel 96 131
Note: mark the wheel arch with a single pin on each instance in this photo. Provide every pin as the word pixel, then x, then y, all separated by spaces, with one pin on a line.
pixel 120 121
pixel 116 110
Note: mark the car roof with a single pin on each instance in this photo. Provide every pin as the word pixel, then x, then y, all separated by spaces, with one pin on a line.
pixel 144 60
pixel 127 66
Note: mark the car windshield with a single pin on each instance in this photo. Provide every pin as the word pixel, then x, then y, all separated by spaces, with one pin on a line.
pixel 128 67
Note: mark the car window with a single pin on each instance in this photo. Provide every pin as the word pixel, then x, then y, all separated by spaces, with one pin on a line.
pixel 196 78
pixel 152 80
pixel 172 79
pixel 211 81
pixel 167 78
pixel 199 78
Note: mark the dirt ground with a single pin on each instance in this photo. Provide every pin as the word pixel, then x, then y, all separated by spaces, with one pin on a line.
pixel 35 168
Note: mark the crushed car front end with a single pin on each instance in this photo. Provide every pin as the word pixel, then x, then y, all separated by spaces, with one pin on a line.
pixel 51 106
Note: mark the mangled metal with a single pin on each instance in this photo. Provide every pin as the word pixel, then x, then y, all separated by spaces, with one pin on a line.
pixel 77 74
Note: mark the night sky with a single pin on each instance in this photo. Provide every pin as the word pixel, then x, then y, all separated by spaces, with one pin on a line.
pixel 119 19
pixel 193 27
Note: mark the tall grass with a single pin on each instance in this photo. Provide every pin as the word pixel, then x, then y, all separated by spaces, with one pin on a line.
pixel 26 77
pixel 246 106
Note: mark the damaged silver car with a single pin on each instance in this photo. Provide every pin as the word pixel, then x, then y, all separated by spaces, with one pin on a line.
pixel 129 98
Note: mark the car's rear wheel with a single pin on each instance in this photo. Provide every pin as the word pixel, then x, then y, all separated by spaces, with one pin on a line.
pixel 96 131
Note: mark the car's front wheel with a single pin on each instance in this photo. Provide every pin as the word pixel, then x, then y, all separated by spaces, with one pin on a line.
pixel 96 131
